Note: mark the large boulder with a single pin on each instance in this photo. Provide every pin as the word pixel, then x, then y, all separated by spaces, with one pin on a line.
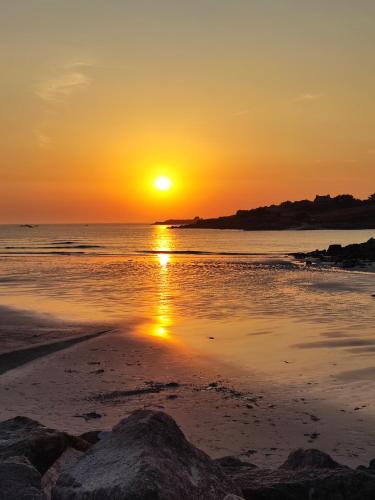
pixel 22 436
pixel 309 459
pixel 306 475
pixel 19 480
pixel 145 457
pixel 66 460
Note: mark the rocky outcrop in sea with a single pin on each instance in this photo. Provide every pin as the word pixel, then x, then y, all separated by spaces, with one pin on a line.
pixel 348 256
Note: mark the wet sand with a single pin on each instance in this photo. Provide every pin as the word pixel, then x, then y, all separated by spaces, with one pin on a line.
pixel 15 359
pixel 94 383
pixel 26 336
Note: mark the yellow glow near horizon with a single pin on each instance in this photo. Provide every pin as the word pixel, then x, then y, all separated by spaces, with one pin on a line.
pixel 228 133
pixel 163 183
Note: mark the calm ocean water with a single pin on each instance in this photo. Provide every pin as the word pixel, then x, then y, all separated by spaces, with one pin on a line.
pixel 185 286
pixel 138 239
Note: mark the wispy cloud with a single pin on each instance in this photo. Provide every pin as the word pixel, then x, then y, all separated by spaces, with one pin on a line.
pixel 307 97
pixel 56 88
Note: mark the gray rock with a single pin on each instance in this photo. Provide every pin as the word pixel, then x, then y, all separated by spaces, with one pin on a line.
pixel 67 459
pixel 306 475
pixel 309 459
pixel 146 457
pixel 19 480
pixel 21 436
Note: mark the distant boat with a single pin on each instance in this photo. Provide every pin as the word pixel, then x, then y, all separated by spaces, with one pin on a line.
pixel 29 225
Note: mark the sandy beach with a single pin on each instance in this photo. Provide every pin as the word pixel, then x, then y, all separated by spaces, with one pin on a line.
pixel 94 375
pixel 187 250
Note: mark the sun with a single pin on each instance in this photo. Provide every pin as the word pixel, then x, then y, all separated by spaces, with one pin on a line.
pixel 162 183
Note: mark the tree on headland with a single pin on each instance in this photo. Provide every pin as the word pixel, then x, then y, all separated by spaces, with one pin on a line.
pixel 371 198
pixel 346 200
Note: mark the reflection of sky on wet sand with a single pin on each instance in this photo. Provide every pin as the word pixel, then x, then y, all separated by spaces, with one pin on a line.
pixel 295 325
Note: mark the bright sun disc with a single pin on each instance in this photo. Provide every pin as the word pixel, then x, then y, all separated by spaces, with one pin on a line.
pixel 162 183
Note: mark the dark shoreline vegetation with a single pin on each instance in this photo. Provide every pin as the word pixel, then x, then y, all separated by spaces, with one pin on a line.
pixel 357 254
pixel 147 456
pixel 325 212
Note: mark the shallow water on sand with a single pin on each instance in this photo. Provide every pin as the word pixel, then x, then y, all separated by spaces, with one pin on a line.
pixel 233 295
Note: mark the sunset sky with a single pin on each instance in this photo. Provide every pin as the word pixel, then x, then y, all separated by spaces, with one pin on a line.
pixel 239 102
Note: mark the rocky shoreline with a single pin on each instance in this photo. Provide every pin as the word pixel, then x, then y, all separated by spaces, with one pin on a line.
pixel 146 456
pixel 350 256
pixel 324 212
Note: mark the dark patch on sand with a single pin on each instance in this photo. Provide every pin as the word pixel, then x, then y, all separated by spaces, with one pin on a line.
pixel 346 342
pixel 357 375
pixel 14 359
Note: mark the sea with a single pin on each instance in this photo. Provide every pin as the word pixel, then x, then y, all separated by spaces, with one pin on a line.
pixel 236 296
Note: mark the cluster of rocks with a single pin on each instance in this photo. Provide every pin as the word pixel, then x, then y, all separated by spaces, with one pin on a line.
pixel 146 456
pixel 347 256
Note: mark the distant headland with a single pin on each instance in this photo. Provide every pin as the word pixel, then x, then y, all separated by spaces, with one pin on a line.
pixel 324 212
pixel 176 222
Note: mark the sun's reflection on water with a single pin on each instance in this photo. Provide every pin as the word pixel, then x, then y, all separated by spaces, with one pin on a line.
pixel 164 259
pixel 162 320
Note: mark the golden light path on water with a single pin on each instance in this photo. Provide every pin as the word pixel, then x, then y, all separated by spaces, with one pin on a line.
pixel 162 317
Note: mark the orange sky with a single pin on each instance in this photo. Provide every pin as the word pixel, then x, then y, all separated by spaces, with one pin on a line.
pixel 241 103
